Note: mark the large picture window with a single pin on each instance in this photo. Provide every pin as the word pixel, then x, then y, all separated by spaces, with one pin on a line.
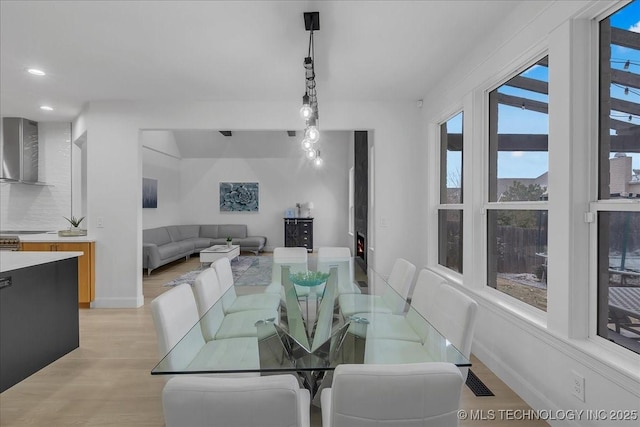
pixel 451 194
pixel 518 183
pixel 618 205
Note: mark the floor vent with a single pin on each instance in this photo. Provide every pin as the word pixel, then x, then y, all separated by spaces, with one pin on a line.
pixel 477 387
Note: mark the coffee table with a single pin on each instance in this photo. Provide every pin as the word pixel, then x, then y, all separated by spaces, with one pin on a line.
pixel 209 255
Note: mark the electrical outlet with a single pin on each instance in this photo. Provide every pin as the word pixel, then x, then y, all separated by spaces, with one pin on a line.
pixel 577 385
pixel 100 222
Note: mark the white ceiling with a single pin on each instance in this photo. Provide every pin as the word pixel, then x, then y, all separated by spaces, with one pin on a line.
pixel 229 50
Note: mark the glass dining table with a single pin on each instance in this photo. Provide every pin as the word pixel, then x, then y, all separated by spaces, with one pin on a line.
pixel 311 343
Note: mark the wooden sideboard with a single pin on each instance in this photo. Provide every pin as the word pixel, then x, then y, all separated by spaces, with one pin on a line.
pixel 86 264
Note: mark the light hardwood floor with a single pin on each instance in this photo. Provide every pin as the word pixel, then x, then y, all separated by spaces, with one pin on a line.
pixel 107 381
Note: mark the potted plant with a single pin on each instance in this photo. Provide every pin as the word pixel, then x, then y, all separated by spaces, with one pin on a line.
pixel 73 230
pixel 229 240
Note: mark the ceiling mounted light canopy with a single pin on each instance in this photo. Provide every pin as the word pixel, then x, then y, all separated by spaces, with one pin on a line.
pixel 309 109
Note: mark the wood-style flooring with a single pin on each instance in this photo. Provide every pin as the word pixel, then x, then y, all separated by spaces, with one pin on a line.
pixel 107 381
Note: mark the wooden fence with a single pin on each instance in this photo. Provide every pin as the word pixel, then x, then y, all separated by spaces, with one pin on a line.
pixel 517 247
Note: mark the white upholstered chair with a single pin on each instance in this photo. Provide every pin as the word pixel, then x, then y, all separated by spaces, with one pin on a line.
pixel 407 395
pixel 215 324
pixel 453 314
pixel 409 327
pixel 231 302
pixel 174 316
pixel 296 259
pixel 339 257
pixel 392 300
pixel 269 401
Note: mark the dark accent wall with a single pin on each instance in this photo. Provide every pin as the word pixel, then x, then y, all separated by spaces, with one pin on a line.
pixel 361 186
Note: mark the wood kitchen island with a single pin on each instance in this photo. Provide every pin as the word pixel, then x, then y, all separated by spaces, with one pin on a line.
pixel 38 311
pixel 86 262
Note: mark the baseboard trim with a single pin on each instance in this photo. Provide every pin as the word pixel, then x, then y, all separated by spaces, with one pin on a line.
pixel 135 302
pixel 518 384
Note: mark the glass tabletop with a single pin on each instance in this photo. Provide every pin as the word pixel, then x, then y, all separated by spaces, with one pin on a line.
pixel 293 342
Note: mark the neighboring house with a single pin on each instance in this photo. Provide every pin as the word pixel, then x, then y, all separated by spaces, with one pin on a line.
pixel 623 180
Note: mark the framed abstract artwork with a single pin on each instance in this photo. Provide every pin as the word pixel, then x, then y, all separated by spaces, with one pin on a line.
pixel 149 193
pixel 239 196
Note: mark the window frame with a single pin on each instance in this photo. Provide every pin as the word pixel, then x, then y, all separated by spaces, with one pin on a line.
pixel 531 312
pixel 445 207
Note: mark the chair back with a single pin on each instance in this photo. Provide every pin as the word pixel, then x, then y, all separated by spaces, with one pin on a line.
pixel 222 266
pixel 207 291
pixel 402 395
pixel 454 317
pixel 174 314
pixel 339 257
pixel 295 258
pixel 269 401
pixel 425 290
pixel 400 281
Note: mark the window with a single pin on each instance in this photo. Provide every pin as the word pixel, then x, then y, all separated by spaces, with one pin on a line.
pixel 518 182
pixel 618 205
pixel 450 210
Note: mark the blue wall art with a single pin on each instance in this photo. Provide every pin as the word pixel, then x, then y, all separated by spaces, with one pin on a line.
pixel 239 197
pixel 149 193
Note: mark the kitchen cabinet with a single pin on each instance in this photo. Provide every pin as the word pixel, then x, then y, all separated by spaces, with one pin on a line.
pixel 298 232
pixel 38 314
pixel 86 265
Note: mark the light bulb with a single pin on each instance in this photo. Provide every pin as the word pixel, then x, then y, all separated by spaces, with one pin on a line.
pixel 306 144
pixel 312 133
pixel 306 111
pixel 311 154
pixel 318 162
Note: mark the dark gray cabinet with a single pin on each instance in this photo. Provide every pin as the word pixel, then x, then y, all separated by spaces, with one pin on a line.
pixel 298 232
pixel 38 318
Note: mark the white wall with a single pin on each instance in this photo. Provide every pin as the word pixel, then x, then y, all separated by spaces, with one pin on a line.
pixel 160 161
pixel 42 207
pixel 534 352
pixel 283 183
pixel 113 138
pixel 188 189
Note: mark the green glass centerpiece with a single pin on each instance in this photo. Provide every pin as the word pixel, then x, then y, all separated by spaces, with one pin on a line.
pixel 309 278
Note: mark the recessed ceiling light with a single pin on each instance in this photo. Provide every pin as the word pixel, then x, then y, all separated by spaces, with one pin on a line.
pixel 36 72
pixel 46 108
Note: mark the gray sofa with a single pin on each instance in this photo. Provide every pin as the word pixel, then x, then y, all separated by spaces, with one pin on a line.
pixel 162 245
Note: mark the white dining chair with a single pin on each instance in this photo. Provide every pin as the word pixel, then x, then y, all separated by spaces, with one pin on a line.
pixel 409 326
pixel 297 261
pixel 392 300
pixel 231 302
pixel 407 395
pixel 339 257
pixel 268 401
pixel 175 318
pixel 215 324
pixel 452 314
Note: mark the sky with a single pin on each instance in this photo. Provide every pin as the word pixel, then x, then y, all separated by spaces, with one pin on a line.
pixel 518 164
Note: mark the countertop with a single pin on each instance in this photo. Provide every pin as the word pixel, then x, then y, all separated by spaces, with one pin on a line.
pixel 14 260
pixel 53 237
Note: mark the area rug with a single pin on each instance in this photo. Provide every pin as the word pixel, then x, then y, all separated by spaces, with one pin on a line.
pixel 247 271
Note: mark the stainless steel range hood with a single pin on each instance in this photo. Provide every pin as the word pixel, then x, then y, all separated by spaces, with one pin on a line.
pixel 19 150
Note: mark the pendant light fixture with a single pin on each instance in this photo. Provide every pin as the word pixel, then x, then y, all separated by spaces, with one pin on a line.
pixel 309 109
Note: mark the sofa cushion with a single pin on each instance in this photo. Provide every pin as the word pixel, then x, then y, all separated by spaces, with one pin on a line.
pixel 199 242
pixel 209 231
pixel 232 230
pixel 158 236
pixel 189 231
pixel 182 232
pixel 257 242
pixel 170 250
